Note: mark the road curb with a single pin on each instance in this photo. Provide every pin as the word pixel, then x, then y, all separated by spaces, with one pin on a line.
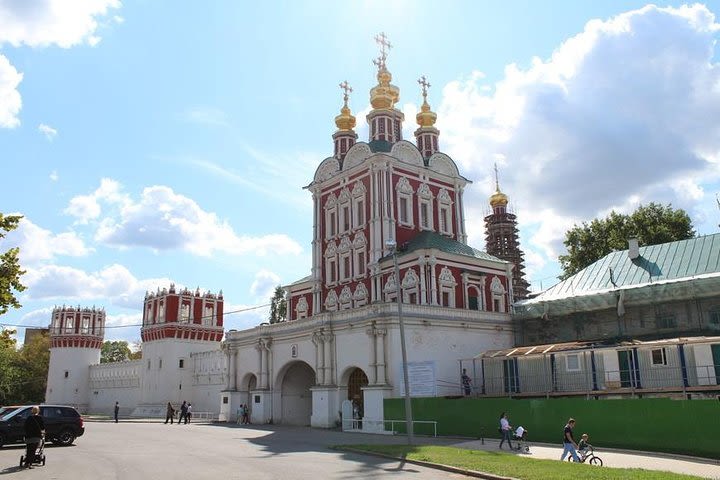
pixel 436 466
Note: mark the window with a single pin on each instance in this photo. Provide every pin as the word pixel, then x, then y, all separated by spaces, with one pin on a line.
pixel 714 316
pixel 67 374
pixel 331 226
pixel 424 215
pixel 658 356
pixel 572 363
pixel 445 299
pixel 346 272
pixel 445 212
pixel 496 304
pixel 181 363
pixel 160 364
pixel 331 271
pixel 443 220
pixel 225 400
pixel 85 325
pixel 148 364
pixel 360 264
pixel 359 213
pixel 208 315
pixel 346 218
pixel 665 319
pixel 185 313
pixel 161 313
pixel 473 303
pixel 404 210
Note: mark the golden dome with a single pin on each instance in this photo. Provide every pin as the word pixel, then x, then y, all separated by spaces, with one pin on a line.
pixel 346 120
pixel 426 117
pixel 498 198
pixel 384 95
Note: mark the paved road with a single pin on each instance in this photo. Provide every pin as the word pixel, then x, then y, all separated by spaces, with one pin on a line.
pixel 136 451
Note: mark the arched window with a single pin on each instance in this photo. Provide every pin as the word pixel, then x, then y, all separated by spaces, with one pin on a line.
pixel 425 207
pixel 404 194
pixel 445 223
pixel 447 288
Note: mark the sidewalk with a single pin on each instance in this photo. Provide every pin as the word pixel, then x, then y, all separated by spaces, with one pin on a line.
pixel 705 468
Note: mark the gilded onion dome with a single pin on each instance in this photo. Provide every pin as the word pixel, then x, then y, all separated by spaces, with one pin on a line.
pixel 425 117
pixel 384 95
pixel 346 120
pixel 498 198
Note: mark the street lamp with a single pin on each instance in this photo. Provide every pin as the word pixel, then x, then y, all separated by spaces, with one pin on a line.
pixel 391 246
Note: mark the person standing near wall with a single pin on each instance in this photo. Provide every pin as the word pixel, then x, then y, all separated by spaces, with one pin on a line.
pixel 505 430
pixel 188 413
pixel 34 431
pixel 465 379
pixel 170 414
pixel 183 412
pixel 117 411
pixel 569 445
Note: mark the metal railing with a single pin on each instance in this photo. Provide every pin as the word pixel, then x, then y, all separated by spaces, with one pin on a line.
pixel 370 425
pixel 663 378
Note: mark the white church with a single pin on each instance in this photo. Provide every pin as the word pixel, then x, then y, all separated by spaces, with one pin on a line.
pixel 341 338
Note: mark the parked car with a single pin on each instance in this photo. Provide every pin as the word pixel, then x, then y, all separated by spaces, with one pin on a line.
pixel 7 409
pixel 63 424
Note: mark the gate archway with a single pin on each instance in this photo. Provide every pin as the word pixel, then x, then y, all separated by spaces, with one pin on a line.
pixel 295 394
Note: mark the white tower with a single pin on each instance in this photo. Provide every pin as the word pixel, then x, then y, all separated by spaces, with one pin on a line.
pixel 76 337
pixel 176 324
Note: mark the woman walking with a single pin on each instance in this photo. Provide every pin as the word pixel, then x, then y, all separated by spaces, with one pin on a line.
pixel 34 431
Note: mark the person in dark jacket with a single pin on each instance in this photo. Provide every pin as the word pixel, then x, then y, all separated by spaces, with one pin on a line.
pixel 170 414
pixel 34 431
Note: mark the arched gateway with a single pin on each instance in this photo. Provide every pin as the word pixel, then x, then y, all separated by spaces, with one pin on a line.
pixel 295 395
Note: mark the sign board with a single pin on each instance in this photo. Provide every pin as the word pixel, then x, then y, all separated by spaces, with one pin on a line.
pixel 421 376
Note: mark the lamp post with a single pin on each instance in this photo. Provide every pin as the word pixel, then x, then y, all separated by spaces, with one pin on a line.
pixel 391 245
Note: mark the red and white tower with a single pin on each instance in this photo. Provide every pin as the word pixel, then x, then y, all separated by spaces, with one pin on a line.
pixel 76 337
pixel 176 324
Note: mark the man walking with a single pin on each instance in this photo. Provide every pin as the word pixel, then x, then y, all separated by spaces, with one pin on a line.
pixel 569 445
pixel 170 413
pixel 183 412
pixel 465 378
pixel 117 411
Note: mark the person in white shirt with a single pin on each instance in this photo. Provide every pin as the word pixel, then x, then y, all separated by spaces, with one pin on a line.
pixel 505 429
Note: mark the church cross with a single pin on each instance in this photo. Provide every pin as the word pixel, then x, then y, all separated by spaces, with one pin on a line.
pixel 497 183
pixel 425 85
pixel 347 89
pixel 381 39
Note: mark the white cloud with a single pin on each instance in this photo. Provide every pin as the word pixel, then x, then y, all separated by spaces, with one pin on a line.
pixel 264 285
pixel 38 244
pixel 40 23
pixel 245 316
pixel 87 207
pixel 49 132
pixel 618 115
pixel 114 284
pixel 10 101
pixel 163 220
pixel 54 176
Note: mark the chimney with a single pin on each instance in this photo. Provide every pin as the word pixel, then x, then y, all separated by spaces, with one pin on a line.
pixel 633 248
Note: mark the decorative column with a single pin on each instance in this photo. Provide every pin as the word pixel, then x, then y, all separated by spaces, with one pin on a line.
pixel 319 357
pixel 464 277
pixel 372 354
pixel 267 361
pixel 228 366
pixel 380 362
pixel 433 281
pixel 423 284
pixel 261 362
pixel 327 347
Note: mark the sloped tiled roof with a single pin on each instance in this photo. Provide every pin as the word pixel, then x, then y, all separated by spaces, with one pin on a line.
pixel 657 263
pixel 427 239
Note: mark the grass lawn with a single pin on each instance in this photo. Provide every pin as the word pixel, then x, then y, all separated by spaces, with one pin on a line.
pixel 508 465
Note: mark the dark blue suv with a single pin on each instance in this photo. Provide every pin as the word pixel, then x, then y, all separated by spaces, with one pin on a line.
pixel 63 424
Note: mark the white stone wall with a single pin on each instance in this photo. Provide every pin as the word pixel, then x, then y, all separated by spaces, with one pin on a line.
pixel 114 382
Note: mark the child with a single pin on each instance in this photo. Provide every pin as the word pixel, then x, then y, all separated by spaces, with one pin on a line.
pixel 584 446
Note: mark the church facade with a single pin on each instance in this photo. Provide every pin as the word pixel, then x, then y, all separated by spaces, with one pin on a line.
pixel 341 340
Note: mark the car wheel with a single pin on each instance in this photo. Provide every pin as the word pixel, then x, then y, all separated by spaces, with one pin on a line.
pixel 22 460
pixel 66 437
pixel 2 440
pixel 596 461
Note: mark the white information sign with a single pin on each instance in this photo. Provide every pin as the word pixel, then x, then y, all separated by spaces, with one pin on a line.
pixel 421 376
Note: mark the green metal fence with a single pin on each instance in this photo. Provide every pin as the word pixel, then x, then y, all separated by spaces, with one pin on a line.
pixel 688 427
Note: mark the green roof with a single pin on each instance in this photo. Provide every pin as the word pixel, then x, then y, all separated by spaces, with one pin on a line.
pixel 380 146
pixel 666 262
pixel 432 240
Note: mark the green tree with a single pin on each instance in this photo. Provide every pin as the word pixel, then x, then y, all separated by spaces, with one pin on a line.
pixel 116 351
pixel 278 305
pixel 10 272
pixel 136 350
pixel 651 225
pixel 10 375
pixel 34 360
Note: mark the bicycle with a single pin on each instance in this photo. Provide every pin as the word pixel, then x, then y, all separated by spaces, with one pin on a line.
pixel 588 456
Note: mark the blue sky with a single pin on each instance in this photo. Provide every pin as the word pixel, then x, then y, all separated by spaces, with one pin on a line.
pixel 149 142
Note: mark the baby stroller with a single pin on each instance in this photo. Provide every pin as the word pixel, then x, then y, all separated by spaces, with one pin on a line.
pixel 520 438
pixel 39 454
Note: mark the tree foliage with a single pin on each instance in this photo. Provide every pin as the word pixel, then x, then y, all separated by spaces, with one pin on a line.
pixel 651 225
pixel 114 351
pixel 23 372
pixel 136 350
pixel 10 272
pixel 278 305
